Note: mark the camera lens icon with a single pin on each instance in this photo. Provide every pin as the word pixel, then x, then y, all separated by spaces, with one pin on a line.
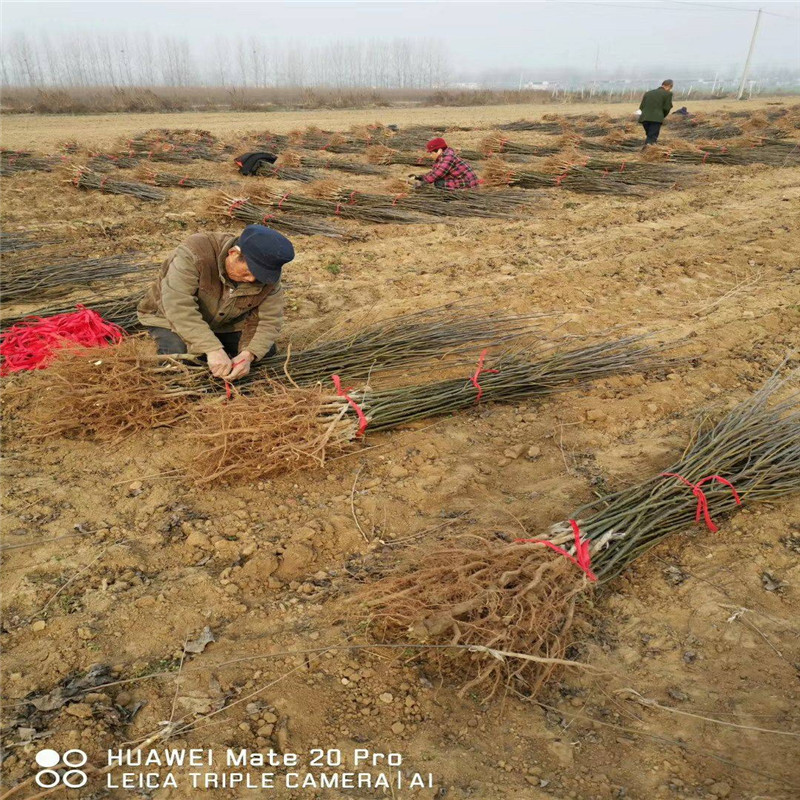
pixel 49 778
pixel 74 758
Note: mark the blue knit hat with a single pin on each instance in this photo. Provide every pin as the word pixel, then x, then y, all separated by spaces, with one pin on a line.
pixel 265 251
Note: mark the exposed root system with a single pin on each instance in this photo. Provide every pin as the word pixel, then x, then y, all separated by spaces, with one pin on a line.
pixel 96 393
pixel 514 598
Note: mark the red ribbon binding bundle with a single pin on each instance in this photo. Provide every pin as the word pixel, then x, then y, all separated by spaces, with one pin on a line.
pixel 478 372
pixel 702 500
pixel 582 557
pixel 32 343
pixel 362 420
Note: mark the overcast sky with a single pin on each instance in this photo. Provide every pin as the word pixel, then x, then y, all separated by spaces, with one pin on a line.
pixel 478 35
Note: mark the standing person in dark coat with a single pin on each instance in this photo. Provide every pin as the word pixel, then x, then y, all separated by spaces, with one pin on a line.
pixel 655 106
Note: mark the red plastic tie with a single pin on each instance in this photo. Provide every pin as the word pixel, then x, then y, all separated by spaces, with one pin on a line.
pixel 622 166
pixel 234 205
pixel 560 178
pixel 362 420
pixel 338 209
pixel 397 197
pixel 352 199
pixel 31 344
pixel 228 390
pixel 182 181
pixel 705 157
pixel 702 500
pixel 280 203
pixel 584 558
pixel 478 372
pixel 266 218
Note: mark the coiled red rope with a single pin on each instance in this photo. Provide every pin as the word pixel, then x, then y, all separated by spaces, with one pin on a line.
pixel 32 343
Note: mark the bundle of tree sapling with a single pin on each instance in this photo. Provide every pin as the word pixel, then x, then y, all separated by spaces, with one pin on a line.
pixel 514 603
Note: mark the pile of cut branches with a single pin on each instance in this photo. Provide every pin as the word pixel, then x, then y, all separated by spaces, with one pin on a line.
pixel 161 144
pixel 497 143
pixel 429 200
pixel 422 342
pixel 782 154
pixel 84 178
pixel 14 161
pixel 500 173
pixel 285 173
pixel 292 158
pixel 246 210
pixel 106 162
pixel 338 417
pixel 515 603
pixel 634 173
pixel 171 179
pixel 357 206
pixel 15 242
pixel 59 277
pixel 381 154
pixel 552 126
pixel 267 141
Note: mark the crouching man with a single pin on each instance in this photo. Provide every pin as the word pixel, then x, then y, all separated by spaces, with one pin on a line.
pixel 220 295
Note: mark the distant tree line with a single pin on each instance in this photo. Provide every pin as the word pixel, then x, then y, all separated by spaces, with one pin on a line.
pixel 142 59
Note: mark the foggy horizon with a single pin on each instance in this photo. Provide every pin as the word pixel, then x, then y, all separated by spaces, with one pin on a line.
pixel 440 43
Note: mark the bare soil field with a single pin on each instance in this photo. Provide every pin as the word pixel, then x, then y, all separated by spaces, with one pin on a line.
pixel 113 562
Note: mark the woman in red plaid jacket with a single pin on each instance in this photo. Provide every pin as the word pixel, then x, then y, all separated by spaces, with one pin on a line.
pixel 449 171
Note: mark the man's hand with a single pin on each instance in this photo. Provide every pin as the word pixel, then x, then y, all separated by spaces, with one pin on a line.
pixel 241 365
pixel 218 363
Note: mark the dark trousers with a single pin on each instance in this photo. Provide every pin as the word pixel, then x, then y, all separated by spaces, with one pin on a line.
pixel 169 343
pixel 651 129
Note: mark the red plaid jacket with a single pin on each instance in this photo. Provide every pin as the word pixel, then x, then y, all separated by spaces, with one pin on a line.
pixel 454 171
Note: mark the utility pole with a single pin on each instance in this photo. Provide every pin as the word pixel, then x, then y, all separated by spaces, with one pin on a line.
pixel 749 56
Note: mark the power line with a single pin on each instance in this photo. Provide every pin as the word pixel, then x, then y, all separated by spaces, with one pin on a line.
pixel 729 8
pixel 651 7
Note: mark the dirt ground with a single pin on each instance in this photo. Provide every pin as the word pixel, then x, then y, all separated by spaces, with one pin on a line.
pixel 696 654
pixel 45 132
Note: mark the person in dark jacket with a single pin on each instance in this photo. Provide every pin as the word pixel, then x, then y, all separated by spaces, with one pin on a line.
pixel 220 295
pixel 655 106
